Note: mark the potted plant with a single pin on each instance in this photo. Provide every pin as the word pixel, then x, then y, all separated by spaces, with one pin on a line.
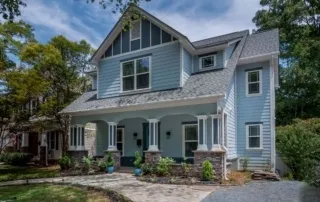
pixel 102 164
pixel 137 163
pixel 110 163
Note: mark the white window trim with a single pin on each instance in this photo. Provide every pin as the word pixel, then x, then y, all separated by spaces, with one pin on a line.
pixel 260 83
pixel 184 140
pixel 206 68
pixel 135 75
pixel 122 142
pixel 139 32
pixel 261 137
pixel 79 133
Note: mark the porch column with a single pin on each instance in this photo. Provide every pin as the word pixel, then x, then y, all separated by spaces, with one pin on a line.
pixel 153 135
pixel 25 142
pixel 43 149
pixel 112 134
pixel 202 133
pixel 216 132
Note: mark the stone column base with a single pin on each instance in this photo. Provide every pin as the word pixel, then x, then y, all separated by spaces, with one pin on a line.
pixel 116 156
pixel 215 157
pixel 43 156
pixel 77 154
pixel 152 156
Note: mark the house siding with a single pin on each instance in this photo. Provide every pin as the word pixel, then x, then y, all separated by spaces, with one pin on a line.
pixel 187 65
pixel 231 122
pixel 220 62
pixel 165 70
pixel 254 109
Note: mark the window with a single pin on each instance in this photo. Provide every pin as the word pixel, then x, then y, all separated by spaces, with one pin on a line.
pixel 254 82
pixel 190 140
pixel 136 74
pixel 53 140
pixel 77 133
pixel 207 62
pixel 254 136
pixel 120 136
pixel 135 30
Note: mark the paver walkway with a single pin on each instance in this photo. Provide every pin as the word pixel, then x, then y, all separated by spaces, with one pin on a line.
pixel 130 187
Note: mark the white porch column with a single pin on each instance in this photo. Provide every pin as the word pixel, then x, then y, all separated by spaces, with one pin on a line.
pixel 112 134
pixel 216 131
pixel 153 135
pixel 44 139
pixel 25 140
pixel 202 133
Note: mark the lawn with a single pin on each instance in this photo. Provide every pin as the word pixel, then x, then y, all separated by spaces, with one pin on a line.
pixel 48 192
pixel 8 172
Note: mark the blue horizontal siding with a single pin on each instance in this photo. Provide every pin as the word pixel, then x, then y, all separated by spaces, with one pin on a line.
pixel 187 65
pixel 254 109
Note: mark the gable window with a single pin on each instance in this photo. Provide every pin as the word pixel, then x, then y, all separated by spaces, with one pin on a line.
pixel 120 136
pixel 190 139
pixel 254 136
pixel 135 31
pixel 135 74
pixel 207 62
pixel 254 82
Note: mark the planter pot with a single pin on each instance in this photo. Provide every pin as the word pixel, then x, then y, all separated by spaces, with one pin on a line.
pixel 110 169
pixel 137 171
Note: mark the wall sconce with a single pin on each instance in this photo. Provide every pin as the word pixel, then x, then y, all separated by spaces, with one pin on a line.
pixel 135 134
pixel 168 134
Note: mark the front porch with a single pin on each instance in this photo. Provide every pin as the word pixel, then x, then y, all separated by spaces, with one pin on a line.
pixel 185 133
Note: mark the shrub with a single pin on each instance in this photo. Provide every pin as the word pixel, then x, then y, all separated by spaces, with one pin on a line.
pixel 185 169
pixel 163 167
pixel 298 146
pixel 138 160
pixel 102 164
pixel 148 168
pixel 87 161
pixel 244 163
pixel 110 160
pixel 16 158
pixel 207 172
pixel 65 162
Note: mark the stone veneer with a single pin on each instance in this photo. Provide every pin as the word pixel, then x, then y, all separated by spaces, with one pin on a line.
pixel 215 157
pixel 152 156
pixel 77 155
pixel 43 156
pixel 116 156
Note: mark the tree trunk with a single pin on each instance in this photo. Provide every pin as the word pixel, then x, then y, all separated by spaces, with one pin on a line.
pixel 65 123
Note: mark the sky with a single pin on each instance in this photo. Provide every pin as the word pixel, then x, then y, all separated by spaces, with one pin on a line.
pixel 196 19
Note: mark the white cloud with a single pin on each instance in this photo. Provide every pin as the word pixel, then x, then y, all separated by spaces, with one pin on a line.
pixel 196 26
pixel 59 21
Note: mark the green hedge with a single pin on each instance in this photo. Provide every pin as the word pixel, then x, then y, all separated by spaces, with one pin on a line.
pixel 16 158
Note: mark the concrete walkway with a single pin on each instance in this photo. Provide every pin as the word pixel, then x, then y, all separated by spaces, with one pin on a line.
pixel 130 187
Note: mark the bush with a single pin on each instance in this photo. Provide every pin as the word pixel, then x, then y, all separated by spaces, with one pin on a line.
pixel 298 146
pixel 207 171
pixel 16 158
pixel 102 164
pixel 244 163
pixel 110 160
pixel 87 161
pixel 65 162
pixel 138 160
pixel 163 167
pixel 185 169
pixel 148 168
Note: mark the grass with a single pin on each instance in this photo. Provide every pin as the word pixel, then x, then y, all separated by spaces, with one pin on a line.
pixel 49 192
pixel 238 178
pixel 8 172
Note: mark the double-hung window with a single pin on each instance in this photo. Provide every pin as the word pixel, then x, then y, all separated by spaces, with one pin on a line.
pixel 135 74
pixel 254 136
pixel 53 140
pixel 207 62
pixel 254 82
pixel 190 139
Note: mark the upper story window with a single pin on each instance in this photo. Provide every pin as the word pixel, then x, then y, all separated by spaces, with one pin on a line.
pixel 254 136
pixel 135 74
pixel 135 31
pixel 207 62
pixel 254 82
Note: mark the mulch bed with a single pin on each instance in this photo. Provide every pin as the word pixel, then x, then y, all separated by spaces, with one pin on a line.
pixel 177 180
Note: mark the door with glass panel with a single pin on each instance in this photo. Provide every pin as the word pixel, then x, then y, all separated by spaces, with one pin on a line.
pixel 190 140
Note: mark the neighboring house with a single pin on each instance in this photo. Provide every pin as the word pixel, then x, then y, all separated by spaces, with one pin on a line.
pixel 156 92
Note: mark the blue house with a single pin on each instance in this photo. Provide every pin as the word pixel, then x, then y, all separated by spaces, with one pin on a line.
pixel 156 92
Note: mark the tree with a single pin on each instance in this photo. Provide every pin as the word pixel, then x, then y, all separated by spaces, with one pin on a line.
pixel 298 21
pixel 61 62
pixel 11 8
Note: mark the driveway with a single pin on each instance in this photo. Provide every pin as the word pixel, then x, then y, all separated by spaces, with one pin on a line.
pixel 292 191
pixel 129 186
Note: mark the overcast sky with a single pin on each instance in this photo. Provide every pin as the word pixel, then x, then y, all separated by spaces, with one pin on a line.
pixel 196 19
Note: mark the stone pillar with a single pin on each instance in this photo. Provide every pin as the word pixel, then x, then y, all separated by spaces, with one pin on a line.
pixel 153 135
pixel 25 142
pixel 202 133
pixel 152 157
pixel 116 156
pixel 112 134
pixel 215 157
pixel 43 150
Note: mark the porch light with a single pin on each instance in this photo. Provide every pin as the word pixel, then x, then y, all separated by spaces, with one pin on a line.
pixel 135 134
pixel 168 134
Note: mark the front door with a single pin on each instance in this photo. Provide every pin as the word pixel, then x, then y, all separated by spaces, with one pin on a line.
pixel 145 131
pixel 33 143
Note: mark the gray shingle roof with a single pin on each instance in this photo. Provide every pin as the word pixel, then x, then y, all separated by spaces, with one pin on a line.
pixel 219 39
pixel 204 84
pixel 261 43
